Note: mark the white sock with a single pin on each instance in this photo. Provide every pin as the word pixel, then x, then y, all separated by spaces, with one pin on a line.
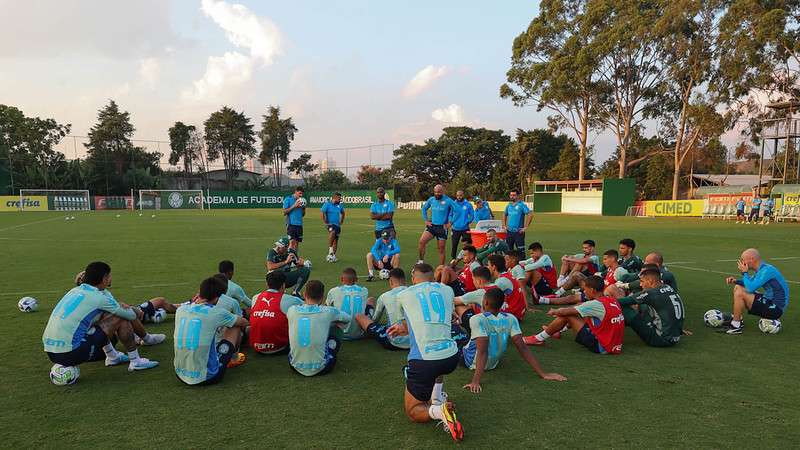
pixel 437 391
pixel 110 351
pixel 435 411
pixel 564 330
pixel 543 336
pixel 330 250
pixel 133 355
pixel 544 301
pixel 736 323
pixel 560 292
pixel 371 273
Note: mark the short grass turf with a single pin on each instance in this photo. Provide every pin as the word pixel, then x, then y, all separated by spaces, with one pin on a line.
pixel 711 391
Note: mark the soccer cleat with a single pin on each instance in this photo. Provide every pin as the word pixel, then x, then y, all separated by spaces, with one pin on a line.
pixel 121 358
pixel 237 360
pixel 141 364
pixel 370 277
pixel 442 399
pixel 532 340
pixel 730 329
pixel 451 422
pixel 153 339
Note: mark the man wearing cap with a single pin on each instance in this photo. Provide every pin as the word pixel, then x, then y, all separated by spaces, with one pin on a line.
pixel 385 254
pixel 382 212
pixel 461 217
pixel 482 210
pixel 284 258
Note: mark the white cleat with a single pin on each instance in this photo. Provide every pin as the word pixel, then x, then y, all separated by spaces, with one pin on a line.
pixel 121 358
pixel 141 364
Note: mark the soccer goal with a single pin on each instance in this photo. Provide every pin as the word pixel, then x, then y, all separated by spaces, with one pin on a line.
pixel 171 199
pixel 635 211
pixel 54 200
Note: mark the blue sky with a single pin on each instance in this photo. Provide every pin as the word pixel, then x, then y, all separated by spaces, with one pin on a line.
pixel 343 70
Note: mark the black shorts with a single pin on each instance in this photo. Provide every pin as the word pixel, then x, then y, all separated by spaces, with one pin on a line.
pixel 378 332
pixel 767 213
pixel 542 288
pixel 438 231
pixel 739 212
pixel 391 230
pixel 421 375
pixel 386 265
pixel 90 349
pixel 586 338
pixel 295 232
pixel 336 229
pixel 458 287
pixel 148 310
pixel 465 316
pixel 463 235
pixel 515 240
pixel 765 308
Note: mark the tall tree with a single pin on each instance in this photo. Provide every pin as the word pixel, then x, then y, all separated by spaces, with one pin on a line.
pixel 371 177
pixel 302 166
pixel 276 139
pixel 533 153
pixel 332 180
pixel 567 166
pixel 180 140
pixel 230 136
pixel 657 178
pixel 553 67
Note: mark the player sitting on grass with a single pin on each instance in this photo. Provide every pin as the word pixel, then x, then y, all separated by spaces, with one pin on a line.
pixel 351 299
pixel 514 267
pixel 446 275
pixel 630 282
pixel 627 259
pixel 387 304
pixel 269 328
pixel 598 323
pixel 491 331
pixel 384 254
pixel 655 314
pixel 515 303
pixel 314 334
pixel 283 258
pixel 86 318
pixel 612 272
pixel 469 303
pixel 234 290
pixel 333 218
pixel 470 258
pixel 493 246
pixel 428 308
pixel 572 267
pixel 201 358
pixel 768 304
pixel 540 273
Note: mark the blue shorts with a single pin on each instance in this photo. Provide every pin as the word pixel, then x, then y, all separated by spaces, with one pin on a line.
pixel 421 375
pixel 336 229
pixel 378 332
pixel 739 212
pixel 586 338
pixel 90 349
pixel 765 308
pixel 295 232
pixel 438 231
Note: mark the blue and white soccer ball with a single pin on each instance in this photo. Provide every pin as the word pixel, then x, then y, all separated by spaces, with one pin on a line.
pixel 64 375
pixel 331 258
pixel 303 202
pixel 384 274
pixel 713 318
pixel 307 263
pixel 769 326
pixel 28 304
pixel 159 316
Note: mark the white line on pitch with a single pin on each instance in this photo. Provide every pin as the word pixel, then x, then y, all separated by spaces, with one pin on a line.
pixel 30 223
pixel 28 292
pixel 158 285
pixel 783 258
pixel 697 269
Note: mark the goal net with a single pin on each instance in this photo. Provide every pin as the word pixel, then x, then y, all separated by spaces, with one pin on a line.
pixel 635 211
pixel 54 200
pixel 171 199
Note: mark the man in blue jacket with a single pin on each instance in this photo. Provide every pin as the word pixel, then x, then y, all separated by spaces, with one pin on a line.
pixel 436 227
pixel 764 293
pixel 384 254
pixel 461 217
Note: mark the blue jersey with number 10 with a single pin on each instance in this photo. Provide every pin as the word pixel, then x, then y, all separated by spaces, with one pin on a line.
pixel 351 300
pixel 196 358
pixel 428 309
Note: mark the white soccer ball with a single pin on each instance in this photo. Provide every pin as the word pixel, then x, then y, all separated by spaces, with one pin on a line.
pixel 140 214
pixel 713 318
pixel 769 326
pixel 117 215
pixel 384 274
pixel 153 216
pixel 330 258
pixel 28 304
pixel 64 375
pixel 159 316
pixel 307 263
pixel 72 218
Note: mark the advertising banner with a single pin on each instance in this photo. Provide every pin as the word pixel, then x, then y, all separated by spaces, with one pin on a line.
pixel 102 202
pixel 728 199
pixel 244 199
pixel 792 198
pixel 29 203
pixel 674 208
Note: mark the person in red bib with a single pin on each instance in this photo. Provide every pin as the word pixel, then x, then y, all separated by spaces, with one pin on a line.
pixel 515 303
pixel 598 323
pixel 269 328
pixel 470 263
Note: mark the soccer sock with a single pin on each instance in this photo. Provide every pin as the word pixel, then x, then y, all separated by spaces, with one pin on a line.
pixel 133 355
pixel 371 273
pixel 736 323
pixel 435 411
pixel 560 292
pixel 330 250
pixel 544 301
pixel 110 351
pixel 437 391
pixel 543 336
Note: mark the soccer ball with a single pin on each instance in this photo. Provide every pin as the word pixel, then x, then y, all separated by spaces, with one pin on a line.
pixel 713 318
pixel 330 258
pixel 28 304
pixel 384 275
pixel 769 326
pixel 64 375
pixel 303 202
pixel 159 316
pixel 307 263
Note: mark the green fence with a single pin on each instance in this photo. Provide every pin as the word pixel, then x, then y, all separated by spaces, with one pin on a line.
pixel 268 199
pixel 618 195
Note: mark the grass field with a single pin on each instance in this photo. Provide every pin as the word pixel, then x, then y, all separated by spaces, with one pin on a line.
pixel 711 391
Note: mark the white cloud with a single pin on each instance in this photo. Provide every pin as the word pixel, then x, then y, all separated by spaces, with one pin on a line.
pixel 149 70
pixel 424 79
pixel 450 114
pixel 245 30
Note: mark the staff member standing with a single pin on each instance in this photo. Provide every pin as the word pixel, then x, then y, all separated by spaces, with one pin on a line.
pixel 516 220
pixel 461 217
pixel 294 208
pixel 382 212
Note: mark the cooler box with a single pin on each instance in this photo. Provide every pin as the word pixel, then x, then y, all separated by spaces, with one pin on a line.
pixel 478 234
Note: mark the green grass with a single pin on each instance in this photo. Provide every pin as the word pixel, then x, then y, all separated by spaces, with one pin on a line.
pixel 709 391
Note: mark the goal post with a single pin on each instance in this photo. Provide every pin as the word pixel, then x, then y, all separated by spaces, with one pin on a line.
pixel 161 199
pixel 54 200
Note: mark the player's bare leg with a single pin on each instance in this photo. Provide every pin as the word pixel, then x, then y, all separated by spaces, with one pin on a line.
pixel 742 301
pixel 614 291
pixel 445 274
pixel 573 280
pixel 370 263
pixel 441 245
pixel 423 411
pixel 423 242
pixel 234 336
pixel 396 260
